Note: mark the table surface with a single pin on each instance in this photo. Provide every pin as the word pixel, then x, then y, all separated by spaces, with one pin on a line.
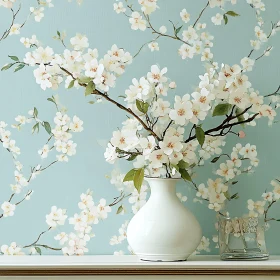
pixel 131 265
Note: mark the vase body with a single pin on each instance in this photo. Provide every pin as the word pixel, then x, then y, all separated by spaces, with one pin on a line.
pixel 163 229
pixel 242 238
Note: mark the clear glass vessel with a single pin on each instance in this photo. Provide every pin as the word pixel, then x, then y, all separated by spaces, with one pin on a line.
pixel 242 238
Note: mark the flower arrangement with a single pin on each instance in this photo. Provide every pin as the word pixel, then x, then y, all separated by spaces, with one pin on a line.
pixel 162 138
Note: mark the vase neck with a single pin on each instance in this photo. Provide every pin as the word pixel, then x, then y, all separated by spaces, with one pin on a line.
pixel 162 187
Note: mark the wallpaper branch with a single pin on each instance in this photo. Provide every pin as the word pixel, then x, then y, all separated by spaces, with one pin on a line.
pixel 203 136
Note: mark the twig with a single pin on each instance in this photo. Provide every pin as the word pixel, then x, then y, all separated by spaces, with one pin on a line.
pixel 37 238
pixel 175 37
pixel 201 14
pixel 35 244
pixel 119 198
pixel 274 93
pixel 128 110
pixel 268 207
pixel 225 124
pixel 145 45
pixel 42 169
pixel 164 132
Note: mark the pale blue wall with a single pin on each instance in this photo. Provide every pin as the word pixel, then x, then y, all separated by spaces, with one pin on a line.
pixel 63 184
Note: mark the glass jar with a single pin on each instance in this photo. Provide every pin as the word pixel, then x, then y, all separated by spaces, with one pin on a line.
pixel 242 238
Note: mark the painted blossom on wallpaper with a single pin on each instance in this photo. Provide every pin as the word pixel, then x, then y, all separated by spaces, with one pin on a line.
pixel 58 141
pixel 36 12
pixel 160 139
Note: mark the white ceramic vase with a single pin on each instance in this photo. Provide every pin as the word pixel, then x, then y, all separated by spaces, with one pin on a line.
pixel 163 229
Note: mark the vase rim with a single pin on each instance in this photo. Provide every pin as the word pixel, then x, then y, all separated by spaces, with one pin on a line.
pixel 161 179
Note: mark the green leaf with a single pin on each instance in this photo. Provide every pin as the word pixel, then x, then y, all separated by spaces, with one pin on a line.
pixel 120 209
pixel 132 157
pixel 177 30
pixel 232 14
pixel 234 182
pixel 35 112
pixel 146 107
pixel 234 196
pixel 138 179
pixel 142 106
pixel 91 102
pixel 47 127
pixel 71 84
pixel 19 67
pixel 15 58
pixel 90 88
pixel 84 80
pixel 225 19
pixel 185 174
pixel 227 195
pixel 221 109
pixel 129 175
pixel 58 33
pixel 38 250
pixel 51 100
pixel 35 128
pixel 192 165
pixel 200 135
pixel 6 67
pixel 182 164
pixel 240 118
pixel 215 159
pixel 122 96
pixel 278 220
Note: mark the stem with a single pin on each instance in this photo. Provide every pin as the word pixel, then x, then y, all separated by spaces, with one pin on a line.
pixel 37 238
pixel 167 128
pixel 266 211
pixel 119 198
pixel 267 50
pixel 225 124
pixel 19 202
pixel 47 247
pixel 274 93
pixel 49 165
pixel 145 45
pixel 175 37
pixel 128 110
pixel 201 14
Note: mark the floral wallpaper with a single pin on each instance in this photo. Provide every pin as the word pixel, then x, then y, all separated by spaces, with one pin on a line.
pixel 167 86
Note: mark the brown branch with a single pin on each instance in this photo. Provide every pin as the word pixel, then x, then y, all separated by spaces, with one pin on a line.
pixel 48 165
pixel 119 198
pixel 225 124
pixel 7 31
pixel 250 53
pixel 48 247
pixel 166 129
pixel 268 36
pixel 266 211
pixel 129 6
pixel 201 14
pixel 14 15
pixel 19 202
pixel 267 50
pixel 175 37
pixel 193 127
pixel 145 45
pixel 274 93
pixel 231 124
pixel 37 238
pixel 11 197
pixel 128 110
